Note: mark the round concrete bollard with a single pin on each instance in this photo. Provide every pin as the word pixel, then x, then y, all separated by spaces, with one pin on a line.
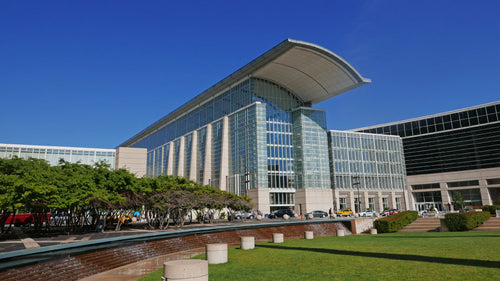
pixel 285 216
pixel 373 231
pixel 247 242
pixel 308 235
pixel 377 215
pixel 258 217
pixel 310 216
pixel 278 238
pixel 356 215
pixel 177 270
pixel 340 232
pixel 216 253
pixel 334 216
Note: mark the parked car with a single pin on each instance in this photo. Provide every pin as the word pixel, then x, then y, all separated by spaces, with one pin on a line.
pixel 244 215
pixel 389 212
pixel 281 213
pixel 344 212
pixel 23 219
pixel 367 213
pixel 318 214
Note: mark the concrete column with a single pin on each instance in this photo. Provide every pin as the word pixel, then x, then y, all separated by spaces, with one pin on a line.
pixel 351 200
pixel 170 164
pixel 393 199
pixel 247 242
pixel 380 203
pixel 216 253
pixel 485 194
pixel 182 157
pixel 224 163
pixel 278 238
pixel 185 270
pixel 194 157
pixel 445 195
pixel 336 198
pixel 207 173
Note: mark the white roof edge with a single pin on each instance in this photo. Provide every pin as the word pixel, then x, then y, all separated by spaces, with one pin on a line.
pixel 426 116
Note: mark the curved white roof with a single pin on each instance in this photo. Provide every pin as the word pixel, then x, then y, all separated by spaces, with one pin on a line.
pixel 310 72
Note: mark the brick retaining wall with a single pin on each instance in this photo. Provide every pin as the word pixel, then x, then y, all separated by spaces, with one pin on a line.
pixel 77 267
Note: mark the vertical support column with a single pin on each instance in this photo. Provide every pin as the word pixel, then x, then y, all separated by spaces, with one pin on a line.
pixel 207 173
pixel 445 196
pixel 170 164
pixel 194 156
pixel 224 162
pixel 351 200
pixel 336 199
pixel 380 203
pixel 485 194
pixel 393 200
pixel 182 156
pixel 365 201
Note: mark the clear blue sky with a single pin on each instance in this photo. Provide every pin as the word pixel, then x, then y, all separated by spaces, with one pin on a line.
pixel 94 73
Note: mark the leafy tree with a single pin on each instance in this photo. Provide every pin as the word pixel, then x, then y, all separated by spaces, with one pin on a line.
pixel 458 200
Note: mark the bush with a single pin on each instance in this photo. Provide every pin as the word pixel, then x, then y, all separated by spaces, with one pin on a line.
pixel 490 208
pixel 465 221
pixel 395 222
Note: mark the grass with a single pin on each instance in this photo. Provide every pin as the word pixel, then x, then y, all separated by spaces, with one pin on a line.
pixel 395 256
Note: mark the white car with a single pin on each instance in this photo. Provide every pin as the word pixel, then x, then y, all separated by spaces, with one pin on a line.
pixel 367 213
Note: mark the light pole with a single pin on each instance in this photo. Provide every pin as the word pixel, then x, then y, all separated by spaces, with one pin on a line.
pixel 355 181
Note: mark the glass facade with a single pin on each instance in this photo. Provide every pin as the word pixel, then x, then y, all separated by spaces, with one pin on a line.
pixel 52 154
pixel 465 139
pixel 269 131
pixel 376 161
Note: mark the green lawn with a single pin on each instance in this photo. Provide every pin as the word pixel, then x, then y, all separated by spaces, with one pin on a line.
pixel 399 256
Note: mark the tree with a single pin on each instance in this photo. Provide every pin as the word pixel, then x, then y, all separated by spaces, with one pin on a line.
pixel 458 200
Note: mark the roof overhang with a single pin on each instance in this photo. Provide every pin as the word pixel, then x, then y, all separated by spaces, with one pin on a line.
pixel 310 72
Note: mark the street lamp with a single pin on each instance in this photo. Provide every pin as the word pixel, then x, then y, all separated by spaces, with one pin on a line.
pixel 355 181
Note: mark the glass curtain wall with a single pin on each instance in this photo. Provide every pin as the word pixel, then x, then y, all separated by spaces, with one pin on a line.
pixel 376 160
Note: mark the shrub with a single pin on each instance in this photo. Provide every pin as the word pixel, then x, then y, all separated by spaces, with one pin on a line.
pixel 490 208
pixel 465 221
pixel 395 222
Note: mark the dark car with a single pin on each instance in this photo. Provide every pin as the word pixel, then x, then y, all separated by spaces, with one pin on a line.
pixel 318 214
pixel 281 213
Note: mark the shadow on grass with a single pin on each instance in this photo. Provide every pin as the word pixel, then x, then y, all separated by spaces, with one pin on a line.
pixel 455 261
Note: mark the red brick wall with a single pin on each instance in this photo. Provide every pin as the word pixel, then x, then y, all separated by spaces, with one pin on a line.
pixel 77 267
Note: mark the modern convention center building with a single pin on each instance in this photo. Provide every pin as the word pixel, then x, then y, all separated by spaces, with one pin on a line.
pixel 256 133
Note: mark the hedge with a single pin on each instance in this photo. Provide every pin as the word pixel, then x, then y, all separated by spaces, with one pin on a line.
pixel 490 208
pixel 395 222
pixel 465 221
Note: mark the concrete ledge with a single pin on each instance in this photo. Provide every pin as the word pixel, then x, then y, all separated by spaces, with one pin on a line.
pixel 195 270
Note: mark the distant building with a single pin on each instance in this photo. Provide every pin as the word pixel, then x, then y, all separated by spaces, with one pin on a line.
pixel 129 159
pixel 446 153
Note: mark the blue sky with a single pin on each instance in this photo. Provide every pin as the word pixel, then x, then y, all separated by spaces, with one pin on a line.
pixel 94 73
